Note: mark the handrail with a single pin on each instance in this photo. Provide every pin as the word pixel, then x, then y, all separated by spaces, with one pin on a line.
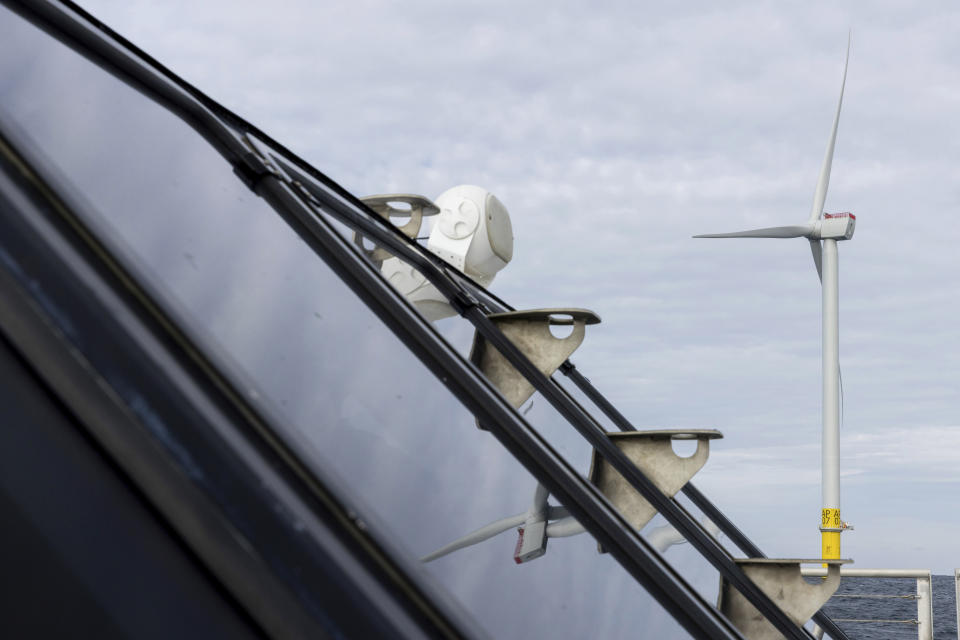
pixel 924 595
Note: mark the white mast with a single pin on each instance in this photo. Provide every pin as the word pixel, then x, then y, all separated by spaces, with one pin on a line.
pixel 830 522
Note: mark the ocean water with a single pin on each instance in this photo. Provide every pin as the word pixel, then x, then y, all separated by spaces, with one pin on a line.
pixel 885 601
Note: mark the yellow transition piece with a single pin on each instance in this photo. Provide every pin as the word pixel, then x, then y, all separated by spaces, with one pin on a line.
pixel 830 540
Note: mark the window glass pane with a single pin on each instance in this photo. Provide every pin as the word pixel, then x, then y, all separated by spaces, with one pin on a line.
pixel 368 410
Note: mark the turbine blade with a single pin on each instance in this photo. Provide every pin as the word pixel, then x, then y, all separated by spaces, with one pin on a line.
pixel 662 538
pixel 820 195
pixel 817 250
pixel 477 536
pixel 792 231
pixel 564 528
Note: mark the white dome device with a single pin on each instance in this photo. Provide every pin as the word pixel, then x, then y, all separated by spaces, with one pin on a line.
pixel 472 232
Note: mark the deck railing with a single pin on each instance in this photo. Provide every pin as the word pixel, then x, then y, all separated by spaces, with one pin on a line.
pixel 924 597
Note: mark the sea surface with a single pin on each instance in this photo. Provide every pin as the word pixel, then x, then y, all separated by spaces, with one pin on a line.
pixel 892 599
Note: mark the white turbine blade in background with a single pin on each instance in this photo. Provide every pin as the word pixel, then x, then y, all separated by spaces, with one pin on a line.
pixel 477 536
pixel 494 528
pixel 817 250
pixel 820 195
pixel 662 538
pixel 792 231
pixel 564 528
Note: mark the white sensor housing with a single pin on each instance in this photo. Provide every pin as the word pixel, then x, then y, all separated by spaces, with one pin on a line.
pixel 472 232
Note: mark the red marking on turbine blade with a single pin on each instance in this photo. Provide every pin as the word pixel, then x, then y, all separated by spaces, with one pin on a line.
pixel 516 552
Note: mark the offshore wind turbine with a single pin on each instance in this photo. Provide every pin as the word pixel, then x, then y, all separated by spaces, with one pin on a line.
pixel 828 229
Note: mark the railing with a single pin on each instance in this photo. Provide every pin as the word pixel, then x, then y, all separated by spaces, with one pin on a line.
pixel 924 597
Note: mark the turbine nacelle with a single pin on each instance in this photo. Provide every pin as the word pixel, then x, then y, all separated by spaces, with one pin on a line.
pixel 837 226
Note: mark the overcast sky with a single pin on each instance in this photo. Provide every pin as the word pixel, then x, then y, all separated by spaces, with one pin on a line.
pixel 613 135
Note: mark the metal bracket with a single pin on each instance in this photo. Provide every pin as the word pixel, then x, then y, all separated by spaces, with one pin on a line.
pixel 652 453
pixel 420 206
pixel 781 580
pixel 530 332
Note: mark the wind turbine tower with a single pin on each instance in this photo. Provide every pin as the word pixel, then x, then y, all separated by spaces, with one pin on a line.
pixel 823 232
